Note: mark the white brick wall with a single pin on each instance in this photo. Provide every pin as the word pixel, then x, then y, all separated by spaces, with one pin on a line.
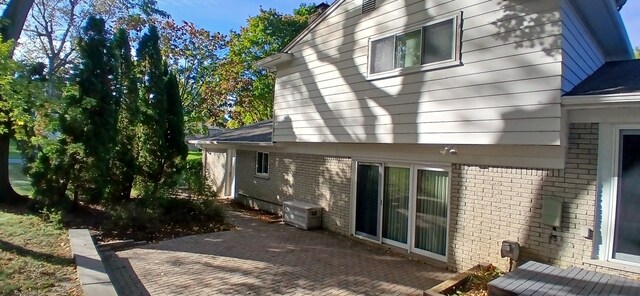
pixel 321 180
pixel 488 203
pixel 491 204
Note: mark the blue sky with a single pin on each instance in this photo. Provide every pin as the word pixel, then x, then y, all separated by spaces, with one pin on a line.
pixel 225 15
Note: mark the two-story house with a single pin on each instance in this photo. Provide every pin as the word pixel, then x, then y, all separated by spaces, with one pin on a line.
pixel 443 127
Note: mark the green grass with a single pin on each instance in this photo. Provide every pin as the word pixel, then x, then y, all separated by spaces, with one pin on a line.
pixel 13 150
pixel 35 257
pixel 194 155
pixel 21 183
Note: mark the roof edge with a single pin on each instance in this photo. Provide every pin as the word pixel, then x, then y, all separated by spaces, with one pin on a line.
pixel 274 60
pixel 312 25
pixel 595 101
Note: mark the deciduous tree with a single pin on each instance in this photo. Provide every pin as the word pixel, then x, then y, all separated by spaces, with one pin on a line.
pixel 247 89
pixel 14 16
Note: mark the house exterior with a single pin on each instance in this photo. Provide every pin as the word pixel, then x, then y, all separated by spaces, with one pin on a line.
pixel 442 128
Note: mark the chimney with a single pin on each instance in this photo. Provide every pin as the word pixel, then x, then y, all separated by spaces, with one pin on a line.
pixel 320 9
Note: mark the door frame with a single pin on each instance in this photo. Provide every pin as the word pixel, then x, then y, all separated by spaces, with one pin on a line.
pixel 413 166
pixel 354 190
pixel 414 198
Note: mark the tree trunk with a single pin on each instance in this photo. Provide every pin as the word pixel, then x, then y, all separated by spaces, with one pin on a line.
pixel 15 13
pixel 6 190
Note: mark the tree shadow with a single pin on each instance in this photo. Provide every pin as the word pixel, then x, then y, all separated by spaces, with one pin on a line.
pixel 9 247
pixel 276 258
pixel 123 276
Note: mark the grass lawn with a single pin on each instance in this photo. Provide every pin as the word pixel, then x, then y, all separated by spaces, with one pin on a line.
pixel 21 183
pixel 13 150
pixel 35 257
pixel 194 155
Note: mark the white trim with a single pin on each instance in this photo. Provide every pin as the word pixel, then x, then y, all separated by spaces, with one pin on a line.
pixel 210 142
pixel 274 60
pixel 259 165
pixel 608 161
pixel 598 101
pixel 413 166
pixel 412 248
pixel 454 61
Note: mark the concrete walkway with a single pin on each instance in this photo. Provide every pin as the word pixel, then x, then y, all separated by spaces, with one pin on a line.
pixel 267 259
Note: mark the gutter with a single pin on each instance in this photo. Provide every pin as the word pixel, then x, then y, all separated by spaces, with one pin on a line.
pixel 600 101
pixel 272 61
pixel 210 142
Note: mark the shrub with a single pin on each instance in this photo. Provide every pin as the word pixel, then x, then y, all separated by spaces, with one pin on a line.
pixel 53 216
pixel 152 215
pixel 194 180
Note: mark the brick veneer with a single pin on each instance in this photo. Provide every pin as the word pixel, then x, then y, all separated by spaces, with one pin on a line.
pixel 488 203
pixel 322 180
pixel 491 204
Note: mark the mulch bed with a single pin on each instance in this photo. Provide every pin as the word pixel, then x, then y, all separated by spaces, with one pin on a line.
pixel 99 223
pixel 258 214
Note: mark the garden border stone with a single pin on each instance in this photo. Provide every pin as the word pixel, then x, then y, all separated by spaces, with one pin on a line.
pixel 91 272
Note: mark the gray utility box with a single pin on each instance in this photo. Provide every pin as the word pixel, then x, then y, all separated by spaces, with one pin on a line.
pixel 302 214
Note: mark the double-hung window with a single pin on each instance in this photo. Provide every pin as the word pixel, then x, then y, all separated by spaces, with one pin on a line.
pixel 436 44
pixel 262 163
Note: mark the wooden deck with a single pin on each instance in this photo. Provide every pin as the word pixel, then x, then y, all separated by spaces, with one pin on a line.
pixel 533 278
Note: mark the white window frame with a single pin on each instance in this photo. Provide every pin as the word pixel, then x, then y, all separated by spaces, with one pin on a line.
pixel 608 162
pixel 259 165
pixel 414 166
pixel 457 40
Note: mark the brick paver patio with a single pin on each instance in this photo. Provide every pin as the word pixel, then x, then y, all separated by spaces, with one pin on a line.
pixel 267 259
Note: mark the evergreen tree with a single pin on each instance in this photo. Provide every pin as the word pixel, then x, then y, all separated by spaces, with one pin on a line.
pixel 174 135
pixel 124 163
pixel 89 117
pixel 152 137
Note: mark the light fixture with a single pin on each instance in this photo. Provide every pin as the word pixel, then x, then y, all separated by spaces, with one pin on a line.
pixel 452 150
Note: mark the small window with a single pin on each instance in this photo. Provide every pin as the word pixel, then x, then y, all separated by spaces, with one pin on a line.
pixel 262 163
pixel 431 46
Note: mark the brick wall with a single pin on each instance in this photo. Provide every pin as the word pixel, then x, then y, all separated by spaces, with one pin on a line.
pixel 215 162
pixel 321 180
pixel 491 204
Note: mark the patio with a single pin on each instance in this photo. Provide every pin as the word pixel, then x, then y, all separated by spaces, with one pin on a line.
pixel 272 259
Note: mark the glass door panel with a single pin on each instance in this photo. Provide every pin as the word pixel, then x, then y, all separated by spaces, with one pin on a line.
pixel 395 204
pixel 431 210
pixel 626 244
pixel 367 200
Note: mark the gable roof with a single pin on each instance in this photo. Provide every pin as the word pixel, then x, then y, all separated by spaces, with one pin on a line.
pixel 620 77
pixel 255 134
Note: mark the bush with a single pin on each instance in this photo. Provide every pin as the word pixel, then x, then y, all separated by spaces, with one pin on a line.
pixel 53 216
pixel 137 216
pixel 152 215
pixel 194 180
pixel 191 211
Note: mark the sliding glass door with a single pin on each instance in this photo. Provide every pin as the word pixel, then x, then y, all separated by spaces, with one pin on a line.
pixel 395 205
pixel 431 212
pixel 367 199
pixel 403 205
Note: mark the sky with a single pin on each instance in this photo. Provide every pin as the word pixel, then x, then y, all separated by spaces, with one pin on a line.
pixel 225 15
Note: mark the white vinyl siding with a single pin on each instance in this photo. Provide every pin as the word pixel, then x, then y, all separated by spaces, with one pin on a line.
pixel 581 55
pixel 507 90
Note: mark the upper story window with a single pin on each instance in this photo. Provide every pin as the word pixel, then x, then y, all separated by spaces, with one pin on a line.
pixel 434 45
